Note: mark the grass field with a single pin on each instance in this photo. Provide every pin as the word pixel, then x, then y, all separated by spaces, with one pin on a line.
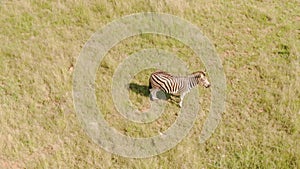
pixel 257 41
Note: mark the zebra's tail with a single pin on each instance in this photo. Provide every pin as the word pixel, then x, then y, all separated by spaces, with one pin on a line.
pixel 150 86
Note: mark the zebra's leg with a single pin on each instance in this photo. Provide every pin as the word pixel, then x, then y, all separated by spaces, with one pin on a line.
pixel 181 98
pixel 153 93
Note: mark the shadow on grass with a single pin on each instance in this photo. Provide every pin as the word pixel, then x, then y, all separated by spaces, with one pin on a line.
pixel 144 91
pixel 139 89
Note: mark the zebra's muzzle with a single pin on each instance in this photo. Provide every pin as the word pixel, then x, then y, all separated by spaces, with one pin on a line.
pixel 207 85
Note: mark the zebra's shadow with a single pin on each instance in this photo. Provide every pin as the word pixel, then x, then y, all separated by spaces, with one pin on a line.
pixel 144 91
pixel 139 89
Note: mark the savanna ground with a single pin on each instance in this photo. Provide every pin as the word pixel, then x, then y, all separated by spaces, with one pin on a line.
pixel 257 41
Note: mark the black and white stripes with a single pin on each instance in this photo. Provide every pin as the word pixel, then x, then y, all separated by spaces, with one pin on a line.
pixel 176 85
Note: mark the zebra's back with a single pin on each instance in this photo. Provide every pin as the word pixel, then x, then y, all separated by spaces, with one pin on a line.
pixel 165 81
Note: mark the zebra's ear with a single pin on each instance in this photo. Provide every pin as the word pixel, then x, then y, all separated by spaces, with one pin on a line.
pixel 204 72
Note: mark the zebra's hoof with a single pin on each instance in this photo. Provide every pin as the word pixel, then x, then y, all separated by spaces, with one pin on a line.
pixel 153 98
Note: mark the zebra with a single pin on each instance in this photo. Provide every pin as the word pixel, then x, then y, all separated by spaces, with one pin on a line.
pixel 175 85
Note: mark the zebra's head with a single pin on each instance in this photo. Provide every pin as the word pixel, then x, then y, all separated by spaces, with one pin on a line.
pixel 201 78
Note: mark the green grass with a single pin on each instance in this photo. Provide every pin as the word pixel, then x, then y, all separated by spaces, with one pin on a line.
pixel 257 41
